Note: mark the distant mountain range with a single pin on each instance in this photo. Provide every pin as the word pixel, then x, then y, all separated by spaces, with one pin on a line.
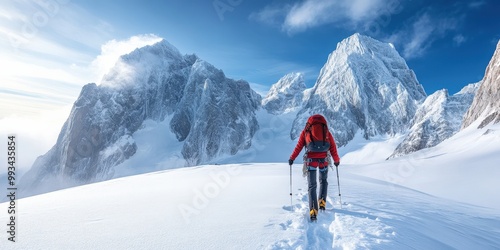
pixel 364 87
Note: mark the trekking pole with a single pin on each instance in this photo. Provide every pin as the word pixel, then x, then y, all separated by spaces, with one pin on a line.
pixel 291 205
pixel 338 182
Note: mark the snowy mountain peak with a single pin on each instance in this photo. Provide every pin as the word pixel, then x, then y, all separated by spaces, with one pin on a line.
pixel 486 104
pixel 365 85
pixel 286 95
pixel 209 114
pixel 291 83
pixel 162 49
pixel 469 89
pixel 356 43
pixel 437 119
pixel 132 68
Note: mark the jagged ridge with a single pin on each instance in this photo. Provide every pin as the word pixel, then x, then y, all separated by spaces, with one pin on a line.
pixel 212 115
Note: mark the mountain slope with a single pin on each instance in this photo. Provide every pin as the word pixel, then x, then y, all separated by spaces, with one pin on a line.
pixel 286 95
pixel 209 113
pixel 249 207
pixel 486 104
pixel 365 85
pixel 437 119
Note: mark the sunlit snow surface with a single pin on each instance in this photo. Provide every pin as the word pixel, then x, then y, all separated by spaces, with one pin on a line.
pixel 246 206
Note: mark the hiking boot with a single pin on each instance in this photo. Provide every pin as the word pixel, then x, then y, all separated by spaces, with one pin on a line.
pixel 313 213
pixel 322 204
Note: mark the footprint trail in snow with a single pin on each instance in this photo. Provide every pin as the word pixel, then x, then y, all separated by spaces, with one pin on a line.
pixel 376 215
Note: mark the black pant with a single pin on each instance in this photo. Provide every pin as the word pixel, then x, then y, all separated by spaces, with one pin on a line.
pixel 323 188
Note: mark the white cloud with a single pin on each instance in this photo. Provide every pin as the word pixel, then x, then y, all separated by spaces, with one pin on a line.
pixel 49 51
pixel 91 33
pixel 424 31
pixel 37 56
pixel 365 10
pixel 459 39
pixel 312 13
pixel 112 50
pixel 35 135
pixel 23 72
pixel 272 15
pixel 420 39
pixel 477 4
pixel 309 14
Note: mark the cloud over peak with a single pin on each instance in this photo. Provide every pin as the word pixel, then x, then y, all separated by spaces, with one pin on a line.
pixel 423 32
pixel 113 49
pixel 306 14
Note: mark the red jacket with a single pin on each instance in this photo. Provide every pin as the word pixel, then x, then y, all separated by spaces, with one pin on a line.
pixel 302 142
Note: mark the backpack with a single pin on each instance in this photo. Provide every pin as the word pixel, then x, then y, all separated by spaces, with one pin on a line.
pixel 316 134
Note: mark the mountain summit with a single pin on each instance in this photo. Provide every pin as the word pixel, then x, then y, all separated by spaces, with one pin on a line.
pixel 210 114
pixel 364 86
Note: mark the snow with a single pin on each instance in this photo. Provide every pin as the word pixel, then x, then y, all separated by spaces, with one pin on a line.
pixel 166 152
pixel 463 168
pixel 375 150
pixel 246 206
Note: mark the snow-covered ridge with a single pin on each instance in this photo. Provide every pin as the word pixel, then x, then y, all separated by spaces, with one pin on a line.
pixel 437 119
pixel 365 85
pixel 286 95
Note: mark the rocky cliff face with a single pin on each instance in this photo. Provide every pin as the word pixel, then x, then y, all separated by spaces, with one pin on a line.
pixel 365 85
pixel 436 120
pixel 215 116
pixel 486 104
pixel 211 114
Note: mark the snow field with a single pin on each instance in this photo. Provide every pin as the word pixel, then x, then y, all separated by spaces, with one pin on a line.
pixel 246 206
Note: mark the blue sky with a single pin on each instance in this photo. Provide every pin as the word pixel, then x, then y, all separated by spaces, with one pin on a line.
pixel 51 48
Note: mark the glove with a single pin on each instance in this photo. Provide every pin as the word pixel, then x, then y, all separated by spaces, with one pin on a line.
pixel 336 164
pixel 290 162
